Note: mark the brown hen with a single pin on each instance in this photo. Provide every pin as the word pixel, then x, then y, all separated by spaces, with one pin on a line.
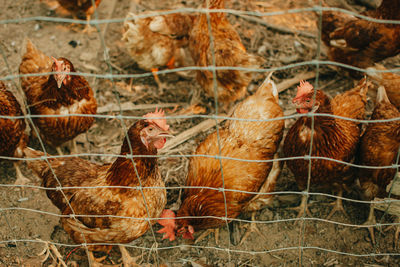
pixel 389 80
pixel 359 42
pixel 157 41
pixel 246 140
pixel 144 137
pixel 379 146
pixel 333 138
pixel 81 9
pixel 228 51
pixel 12 131
pixel 56 94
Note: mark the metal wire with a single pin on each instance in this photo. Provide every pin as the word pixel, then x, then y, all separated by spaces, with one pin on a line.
pixel 213 68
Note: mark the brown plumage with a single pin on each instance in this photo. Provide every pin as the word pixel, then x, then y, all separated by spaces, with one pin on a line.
pixel 154 41
pixel 246 140
pixel 80 9
pixel 145 137
pixel 157 41
pixel 228 50
pixel 379 146
pixel 361 43
pixel 12 131
pixel 389 80
pixel 333 138
pixel 60 94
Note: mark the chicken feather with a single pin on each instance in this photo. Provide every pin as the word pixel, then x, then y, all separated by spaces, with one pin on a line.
pixel 110 195
pixel 359 42
pixel 45 97
pixel 228 51
pixel 247 140
pixel 332 137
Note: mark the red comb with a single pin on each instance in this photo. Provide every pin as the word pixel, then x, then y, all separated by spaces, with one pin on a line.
pixel 58 63
pixel 159 114
pixel 304 88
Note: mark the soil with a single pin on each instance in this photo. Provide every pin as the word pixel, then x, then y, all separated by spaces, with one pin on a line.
pixel 28 219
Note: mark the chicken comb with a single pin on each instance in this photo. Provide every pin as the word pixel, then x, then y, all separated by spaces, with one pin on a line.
pixel 162 123
pixel 304 88
pixel 58 63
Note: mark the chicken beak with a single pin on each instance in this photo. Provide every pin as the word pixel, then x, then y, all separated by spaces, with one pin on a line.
pixel 59 77
pixel 59 81
pixel 165 134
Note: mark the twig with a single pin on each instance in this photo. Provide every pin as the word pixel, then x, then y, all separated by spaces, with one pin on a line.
pixel 179 139
pixel 207 124
pixel 292 81
pixel 130 106
pixel 276 27
pixel 393 209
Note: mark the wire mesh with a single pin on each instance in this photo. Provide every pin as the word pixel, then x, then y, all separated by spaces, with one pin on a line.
pixel 109 74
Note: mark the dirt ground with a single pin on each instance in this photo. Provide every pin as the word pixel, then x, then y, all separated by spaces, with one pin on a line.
pixel 28 216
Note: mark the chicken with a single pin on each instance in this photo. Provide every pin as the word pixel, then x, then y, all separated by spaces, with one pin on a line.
pixel 359 42
pixel 228 52
pixel 144 137
pixel 56 94
pixel 12 131
pixel 243 140
pixel 387 134
pixel 157 41
pixel 81 8
pixel 333 138
pixel 390 81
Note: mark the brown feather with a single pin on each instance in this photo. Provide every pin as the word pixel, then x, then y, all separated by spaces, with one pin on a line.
pixel 79 8
pixel 12 131
pixel 362 43
pixel 379 147
pixel 333 138
pixel 228 51
pixel 246 140
pixel 75 172
pixel 45 98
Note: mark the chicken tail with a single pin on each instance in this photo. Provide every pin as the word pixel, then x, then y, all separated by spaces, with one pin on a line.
pixel 39 165
pixel 268 88
pixel 33 61
pixel 131 34
pixel 33 53
pixel 30 47
pixel 381 96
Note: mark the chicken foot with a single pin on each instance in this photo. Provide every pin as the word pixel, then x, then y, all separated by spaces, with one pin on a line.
pixel 303 207
pixel 397 233
pixel 208 232
pixel 126 257
pixel 337 205
pixel 51 250
pixel 252 228
pixel 59 151
pixel 161 86
pixel 371 221
pixel 95 262
pixel 88 29
pixel 21 179
pixel 73 148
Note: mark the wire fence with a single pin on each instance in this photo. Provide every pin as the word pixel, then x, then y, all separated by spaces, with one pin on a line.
pixel 112 76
